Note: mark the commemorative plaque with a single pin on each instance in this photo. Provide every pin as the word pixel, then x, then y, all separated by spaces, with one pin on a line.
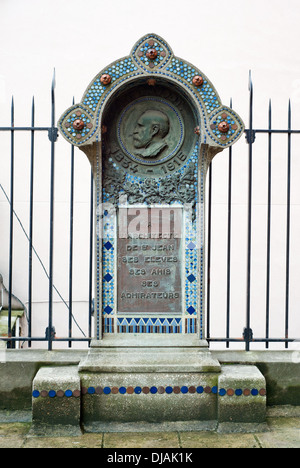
pixel 150 262
pixel 149 138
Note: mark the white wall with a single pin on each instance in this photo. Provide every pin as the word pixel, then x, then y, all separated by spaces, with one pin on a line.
pixel 223 39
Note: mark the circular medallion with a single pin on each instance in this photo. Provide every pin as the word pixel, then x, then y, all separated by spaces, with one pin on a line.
pixel 150 130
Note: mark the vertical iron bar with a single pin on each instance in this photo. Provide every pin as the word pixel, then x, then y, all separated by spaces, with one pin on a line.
pixel 11 232
pixel 71 247
pixel 288 224
pixel 249 216
pixel 91 254
pixel 229 243
pixel 50 318
pixel 71 244
pixel 269 226
pixel 209 249
pixel 31 224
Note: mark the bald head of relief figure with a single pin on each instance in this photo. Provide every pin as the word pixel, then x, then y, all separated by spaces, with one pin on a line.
pixel 149 134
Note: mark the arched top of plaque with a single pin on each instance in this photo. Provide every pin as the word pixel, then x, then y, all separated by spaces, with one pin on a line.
pixel 152 62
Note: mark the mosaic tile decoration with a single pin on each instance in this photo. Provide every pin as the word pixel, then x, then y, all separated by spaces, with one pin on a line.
pixel 155 390
pixel 56 393
pixel 136 65
pixel 219 127
pixel 145 324
pixel 168 390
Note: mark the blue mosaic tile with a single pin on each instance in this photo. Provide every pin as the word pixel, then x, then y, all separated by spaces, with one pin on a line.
pixel 206 92
pixel 108 277
pixel 147 325
pixel 94 391
pixel 191 278
pixel 165 64
pixel 161 50
pixel 191 310
pixel 108 310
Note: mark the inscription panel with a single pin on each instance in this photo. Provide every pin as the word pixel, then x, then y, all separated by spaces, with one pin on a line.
pixel 149 268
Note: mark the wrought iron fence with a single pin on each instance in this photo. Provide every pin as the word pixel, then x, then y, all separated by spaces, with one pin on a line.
pixel 247 336
pixel 251 134
pixel 49 337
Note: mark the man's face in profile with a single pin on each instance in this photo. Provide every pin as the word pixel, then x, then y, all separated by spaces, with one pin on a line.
pixel 149 133
pixel 143 132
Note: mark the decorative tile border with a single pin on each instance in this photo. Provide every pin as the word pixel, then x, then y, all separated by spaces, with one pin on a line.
pixel 150 391
pixel 169 390
pixel 134 66
pixel 58 393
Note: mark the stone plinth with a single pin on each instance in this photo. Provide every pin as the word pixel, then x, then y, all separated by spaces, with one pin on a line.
pixel 242 399
pixel 151 379
pixel 56 401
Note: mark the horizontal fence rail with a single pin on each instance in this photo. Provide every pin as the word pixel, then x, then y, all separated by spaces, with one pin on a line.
pixel 246 337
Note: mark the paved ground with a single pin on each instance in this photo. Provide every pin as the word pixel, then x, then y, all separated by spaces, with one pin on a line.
pixel 283 432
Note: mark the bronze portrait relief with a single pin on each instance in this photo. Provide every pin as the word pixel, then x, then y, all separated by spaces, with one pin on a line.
pixel 150 130
pixel 149 134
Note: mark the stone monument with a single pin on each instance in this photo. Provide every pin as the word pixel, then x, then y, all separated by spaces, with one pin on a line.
pixel 150 124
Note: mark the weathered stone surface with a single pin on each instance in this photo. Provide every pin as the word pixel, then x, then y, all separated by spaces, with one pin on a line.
pixel 18 369
pixel 281 370
pixel 242 399
pixel 144 397
pixel 56 398
pixel 149 353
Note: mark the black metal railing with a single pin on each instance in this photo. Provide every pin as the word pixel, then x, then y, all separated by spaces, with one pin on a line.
pixel 49 337
pixel 246 335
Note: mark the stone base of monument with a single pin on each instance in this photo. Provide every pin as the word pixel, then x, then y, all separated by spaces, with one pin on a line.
pixel 149 353
pixel 135 379
pixel 242 399
pixel 149 379
pixel 56 402
pixel 148 383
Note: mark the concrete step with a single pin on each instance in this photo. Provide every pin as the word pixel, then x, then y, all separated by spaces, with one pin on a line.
pixel 56 401
pixel 242 399
pixel 68 397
